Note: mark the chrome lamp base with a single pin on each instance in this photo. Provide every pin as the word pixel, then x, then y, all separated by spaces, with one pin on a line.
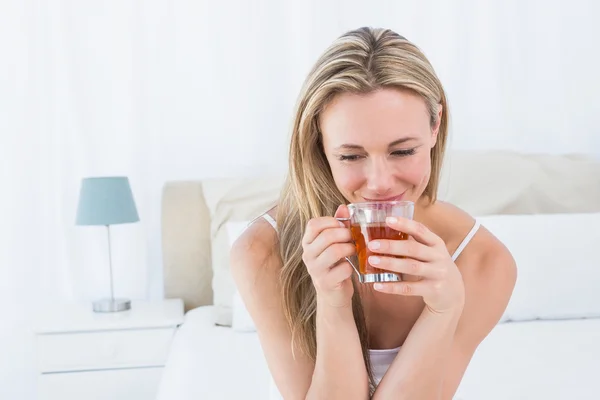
pixel 111 305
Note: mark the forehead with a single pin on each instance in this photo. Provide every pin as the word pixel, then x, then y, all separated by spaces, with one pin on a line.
pixel 384 115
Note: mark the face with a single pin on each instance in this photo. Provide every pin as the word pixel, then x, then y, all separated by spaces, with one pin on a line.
pixel 378 145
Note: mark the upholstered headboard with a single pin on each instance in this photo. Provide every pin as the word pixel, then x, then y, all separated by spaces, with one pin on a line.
pixel 195 213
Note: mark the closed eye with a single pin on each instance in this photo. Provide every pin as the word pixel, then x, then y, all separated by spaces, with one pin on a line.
pixel 349 157
pixel 403 153
pixel 397 153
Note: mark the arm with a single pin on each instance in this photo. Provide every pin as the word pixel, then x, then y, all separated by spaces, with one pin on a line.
pixel 488 294
pixel 417 370
pixel 435 355
pixel 339 371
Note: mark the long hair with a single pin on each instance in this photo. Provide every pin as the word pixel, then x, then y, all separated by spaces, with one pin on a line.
pixel 360 61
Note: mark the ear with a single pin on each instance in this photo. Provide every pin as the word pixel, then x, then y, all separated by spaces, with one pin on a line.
pixel 436 128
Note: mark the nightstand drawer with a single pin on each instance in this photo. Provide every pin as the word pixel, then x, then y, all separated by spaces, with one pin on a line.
pixel 103 349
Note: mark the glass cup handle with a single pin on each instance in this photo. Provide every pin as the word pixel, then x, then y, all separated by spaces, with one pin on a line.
pixel 353 266
pixel 344 221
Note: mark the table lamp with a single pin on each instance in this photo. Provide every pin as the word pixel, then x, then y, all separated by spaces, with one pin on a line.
pixel 107 201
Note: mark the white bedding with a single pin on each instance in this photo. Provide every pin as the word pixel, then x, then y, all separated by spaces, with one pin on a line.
pixel 551 360
pixel 209 362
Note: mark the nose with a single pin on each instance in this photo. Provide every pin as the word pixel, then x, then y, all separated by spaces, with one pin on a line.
pixel 380 179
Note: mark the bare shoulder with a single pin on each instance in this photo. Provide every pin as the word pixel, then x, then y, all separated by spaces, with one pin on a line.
pixel 489 274
pixel 255 253
pixel 453 224
pixel 256 266
pixel 449 222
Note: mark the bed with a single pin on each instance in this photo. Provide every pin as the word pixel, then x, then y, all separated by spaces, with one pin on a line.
pixel 214 362
pixel 545 208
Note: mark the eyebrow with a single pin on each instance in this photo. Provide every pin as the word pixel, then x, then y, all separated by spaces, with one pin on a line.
pixel 351 146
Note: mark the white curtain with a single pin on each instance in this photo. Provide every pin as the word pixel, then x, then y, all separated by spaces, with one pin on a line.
pixel 187 89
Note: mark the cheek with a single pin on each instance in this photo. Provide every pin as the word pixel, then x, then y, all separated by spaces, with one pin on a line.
pixel 347 179
pixel 416 170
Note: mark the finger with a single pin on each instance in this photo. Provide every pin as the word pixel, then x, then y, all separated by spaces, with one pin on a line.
pixel 417 230
pixel 340 272
pixel 406 248
pixel 316 225
pixel 328 237
pixel 342 212
pixel 407 266
pixel 417 288
pixel 333 254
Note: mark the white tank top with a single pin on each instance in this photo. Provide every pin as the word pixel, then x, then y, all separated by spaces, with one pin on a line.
pixel 382 359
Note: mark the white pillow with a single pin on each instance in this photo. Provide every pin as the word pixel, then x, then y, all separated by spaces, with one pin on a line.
pixel 235 230
pixel 240 319
pixel 228 200
pixel 558 264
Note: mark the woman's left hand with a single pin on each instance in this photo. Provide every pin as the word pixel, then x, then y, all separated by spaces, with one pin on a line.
pixel 441 284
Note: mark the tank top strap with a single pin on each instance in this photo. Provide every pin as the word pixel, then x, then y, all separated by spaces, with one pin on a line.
pixel 270 220
pixel 466 240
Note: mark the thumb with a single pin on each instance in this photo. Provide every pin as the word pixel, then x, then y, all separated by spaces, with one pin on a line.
pixel 342 212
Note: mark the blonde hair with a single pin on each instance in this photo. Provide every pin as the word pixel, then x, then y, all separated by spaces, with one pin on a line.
pixel 360 61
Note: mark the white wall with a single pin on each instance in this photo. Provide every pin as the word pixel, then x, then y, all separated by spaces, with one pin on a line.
pixel 191 89
pixel 16 357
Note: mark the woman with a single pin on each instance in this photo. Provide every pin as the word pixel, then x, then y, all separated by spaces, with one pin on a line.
pixel 371 124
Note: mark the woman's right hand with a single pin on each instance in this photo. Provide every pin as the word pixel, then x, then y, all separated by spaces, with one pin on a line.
pixel 325 245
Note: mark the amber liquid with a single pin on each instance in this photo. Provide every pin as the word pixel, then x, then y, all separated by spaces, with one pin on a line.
pixel 362 236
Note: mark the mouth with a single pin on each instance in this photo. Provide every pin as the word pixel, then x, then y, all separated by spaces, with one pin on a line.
pixel 393 198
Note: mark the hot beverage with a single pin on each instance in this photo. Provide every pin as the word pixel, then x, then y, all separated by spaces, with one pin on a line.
pixel 363 235
pixel 367 223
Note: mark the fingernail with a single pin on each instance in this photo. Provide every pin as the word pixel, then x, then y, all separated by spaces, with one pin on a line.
pixel 378 286
pixel 374 245
pixel 374 260
pixel 392 220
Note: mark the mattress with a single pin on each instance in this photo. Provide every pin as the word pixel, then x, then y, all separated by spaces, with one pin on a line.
pixel 550 360
pixel 209 362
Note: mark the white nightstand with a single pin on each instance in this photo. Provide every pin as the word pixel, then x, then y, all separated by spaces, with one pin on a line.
pixel 98 356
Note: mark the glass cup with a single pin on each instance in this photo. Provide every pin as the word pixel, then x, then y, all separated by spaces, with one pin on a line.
pixel 367 223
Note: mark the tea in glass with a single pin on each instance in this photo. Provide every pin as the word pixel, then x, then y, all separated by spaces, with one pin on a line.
pixel 367 223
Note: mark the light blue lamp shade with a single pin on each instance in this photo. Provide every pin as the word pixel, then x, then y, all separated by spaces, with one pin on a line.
pixel 106 201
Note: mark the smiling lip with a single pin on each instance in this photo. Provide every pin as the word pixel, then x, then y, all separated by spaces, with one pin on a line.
pixel 394 198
